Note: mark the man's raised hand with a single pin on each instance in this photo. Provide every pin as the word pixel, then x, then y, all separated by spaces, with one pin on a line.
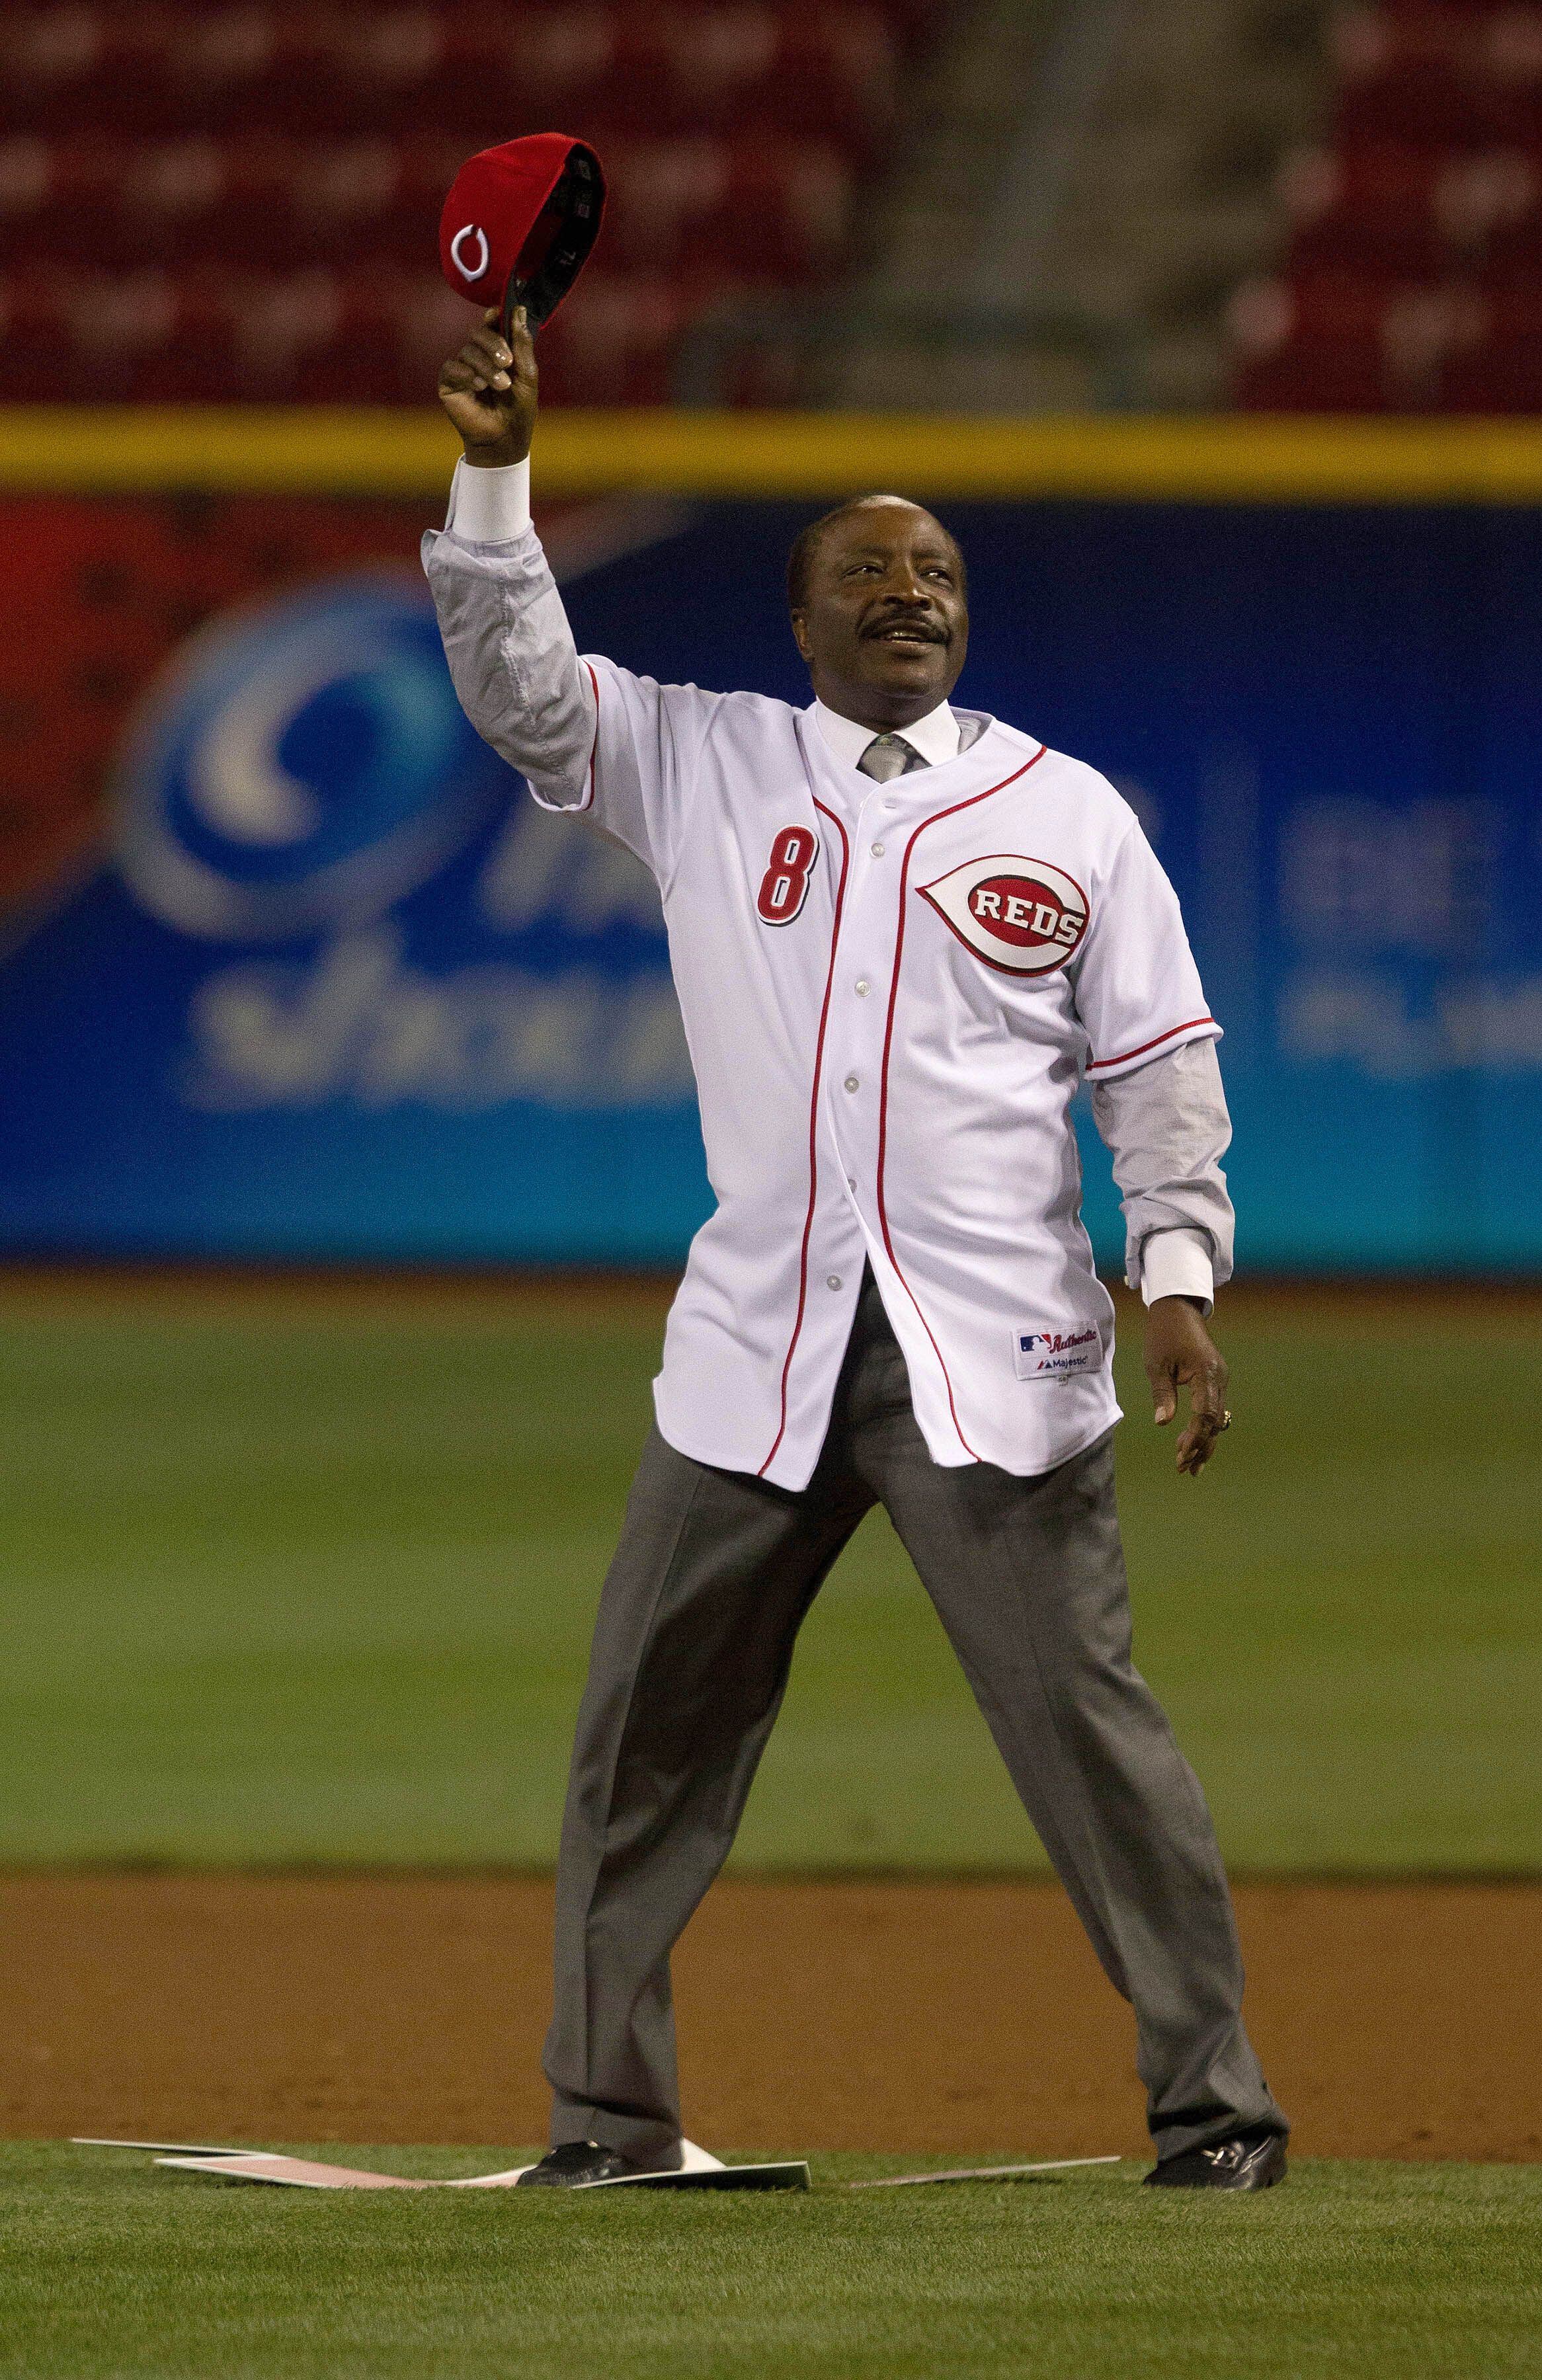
pixel 489 391
pixel 1180 1352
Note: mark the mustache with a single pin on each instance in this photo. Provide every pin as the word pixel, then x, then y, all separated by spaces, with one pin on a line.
pixel 924 626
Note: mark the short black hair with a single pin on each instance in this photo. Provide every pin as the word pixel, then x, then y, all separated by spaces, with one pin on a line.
pixel 800 560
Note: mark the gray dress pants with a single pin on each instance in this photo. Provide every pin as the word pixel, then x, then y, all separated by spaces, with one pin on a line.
pixel 711 1581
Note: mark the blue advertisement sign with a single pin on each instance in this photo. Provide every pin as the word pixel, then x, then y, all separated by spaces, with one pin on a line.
pixel 338 991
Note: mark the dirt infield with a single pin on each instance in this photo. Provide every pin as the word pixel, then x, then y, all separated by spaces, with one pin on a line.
pixel 1395 2019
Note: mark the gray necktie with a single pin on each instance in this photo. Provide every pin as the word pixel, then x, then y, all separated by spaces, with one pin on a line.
pixel 889 756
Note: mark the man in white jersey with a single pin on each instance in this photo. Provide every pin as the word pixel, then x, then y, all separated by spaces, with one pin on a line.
pixel 902 934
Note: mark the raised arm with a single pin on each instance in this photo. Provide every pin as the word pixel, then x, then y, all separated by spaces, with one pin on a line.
pixel 586 735
pixel 506 635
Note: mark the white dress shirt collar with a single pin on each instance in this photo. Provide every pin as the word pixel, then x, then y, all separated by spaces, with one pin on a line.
pixel 935 738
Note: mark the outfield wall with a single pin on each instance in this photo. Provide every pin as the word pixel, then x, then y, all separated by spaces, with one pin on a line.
pixel 293 971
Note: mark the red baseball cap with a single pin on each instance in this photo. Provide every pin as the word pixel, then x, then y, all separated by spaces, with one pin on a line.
pixel 519 223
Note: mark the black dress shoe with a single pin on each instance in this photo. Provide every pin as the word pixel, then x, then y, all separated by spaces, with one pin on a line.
pixel 1250 2161
pixel 577 2161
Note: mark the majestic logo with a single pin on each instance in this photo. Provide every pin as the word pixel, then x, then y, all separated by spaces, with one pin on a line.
pixel 1021 915
pixel 470 272
pixel 303 764
pixel 1056 1354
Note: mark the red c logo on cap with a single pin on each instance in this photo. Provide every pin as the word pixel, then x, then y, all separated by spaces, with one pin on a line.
pixel 470 272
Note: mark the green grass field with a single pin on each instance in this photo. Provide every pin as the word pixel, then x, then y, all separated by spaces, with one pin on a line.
pixel 112 2268
pixel 294 1580
pixel 288 1582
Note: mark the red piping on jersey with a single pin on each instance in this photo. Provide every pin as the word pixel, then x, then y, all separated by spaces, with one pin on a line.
pixel 888 1040
pixel 813 1136
pixel 1124 1055
pixel 588 802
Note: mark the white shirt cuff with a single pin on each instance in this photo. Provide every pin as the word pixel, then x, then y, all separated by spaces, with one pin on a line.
pixel 1177 1263
pixel 490 507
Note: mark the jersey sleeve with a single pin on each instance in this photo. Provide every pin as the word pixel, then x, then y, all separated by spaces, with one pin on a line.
pixel 645 743
pixel 1137 988
pixel 586 735
pixel 1165 1125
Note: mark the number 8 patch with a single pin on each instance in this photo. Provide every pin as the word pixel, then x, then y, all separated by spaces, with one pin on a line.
pixel 786 882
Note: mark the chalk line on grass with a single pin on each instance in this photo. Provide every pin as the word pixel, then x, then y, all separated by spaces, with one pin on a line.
pixel 980 2173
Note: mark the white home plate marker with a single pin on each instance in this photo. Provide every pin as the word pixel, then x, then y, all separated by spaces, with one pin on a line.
pixel 698 2170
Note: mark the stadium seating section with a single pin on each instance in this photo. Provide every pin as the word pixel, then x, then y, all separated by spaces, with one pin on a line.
pixel 208 202
pixel 1413 280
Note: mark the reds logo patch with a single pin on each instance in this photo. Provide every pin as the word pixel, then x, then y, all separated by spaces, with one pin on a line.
pixel 1019 915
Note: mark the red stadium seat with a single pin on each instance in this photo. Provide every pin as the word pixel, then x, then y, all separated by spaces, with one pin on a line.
pixel 769 210
pixel 789 210
pixel 1366 41
pixel 1405 212
pixel 1311 380
pixel 36 340
pixel 1512 251
pixel 1501 371
pixel 849 53
pixel 1435 108
pixel 1416 245
pixel 1345 341
pixel 175 150
pixel 613 341
pixel 1497 379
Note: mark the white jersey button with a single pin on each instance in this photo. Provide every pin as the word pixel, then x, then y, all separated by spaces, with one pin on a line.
pixel 832 1281
pixel 878 850
pixel 862 985
pixel 853 1083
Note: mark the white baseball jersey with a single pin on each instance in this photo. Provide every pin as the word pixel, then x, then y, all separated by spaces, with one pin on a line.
pixel 891 993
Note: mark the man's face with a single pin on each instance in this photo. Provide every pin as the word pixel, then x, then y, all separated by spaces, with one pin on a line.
pixel 885 624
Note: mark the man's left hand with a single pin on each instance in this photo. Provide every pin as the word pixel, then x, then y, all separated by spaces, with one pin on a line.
pixel 1180 1352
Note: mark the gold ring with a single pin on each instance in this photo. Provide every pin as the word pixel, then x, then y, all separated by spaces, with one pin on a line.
pixel 1226 1421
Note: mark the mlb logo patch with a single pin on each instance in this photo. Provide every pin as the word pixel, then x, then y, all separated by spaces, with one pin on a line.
pixel 1055 1355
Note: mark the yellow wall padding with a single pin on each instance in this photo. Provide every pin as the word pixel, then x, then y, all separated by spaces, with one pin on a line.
pixel 1228 459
